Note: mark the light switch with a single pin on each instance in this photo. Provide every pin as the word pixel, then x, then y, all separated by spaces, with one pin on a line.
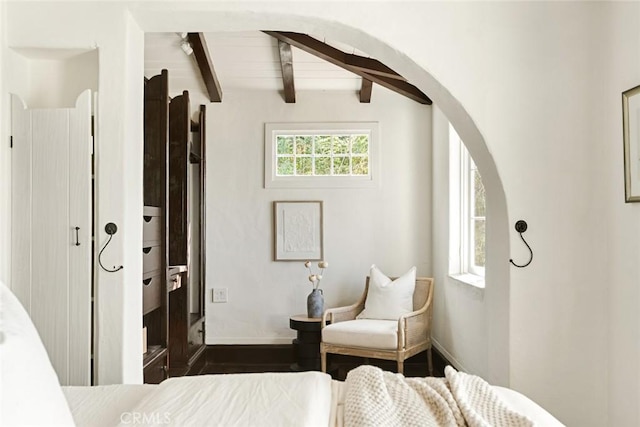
pixel 219 294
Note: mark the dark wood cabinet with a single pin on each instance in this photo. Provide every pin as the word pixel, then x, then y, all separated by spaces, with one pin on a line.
pixel 197 160
pixel 173 264
pixel 179 143
pixel 155 300
pixel 186 200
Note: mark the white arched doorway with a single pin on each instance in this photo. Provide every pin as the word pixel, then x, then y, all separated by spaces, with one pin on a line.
pixel 172 17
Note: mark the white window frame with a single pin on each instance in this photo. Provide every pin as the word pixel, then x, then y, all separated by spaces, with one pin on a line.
pixel 272 180
pixel 467 216
pixel 461 219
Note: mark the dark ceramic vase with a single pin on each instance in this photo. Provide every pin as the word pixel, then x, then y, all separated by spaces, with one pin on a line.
pixel 315 303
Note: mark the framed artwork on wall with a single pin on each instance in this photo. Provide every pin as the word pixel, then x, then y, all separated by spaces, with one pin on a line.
pixel 297 230
pixel 631 137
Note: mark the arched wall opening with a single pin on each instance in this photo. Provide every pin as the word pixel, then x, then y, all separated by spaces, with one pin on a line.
pixel 201 18
pixel 496 294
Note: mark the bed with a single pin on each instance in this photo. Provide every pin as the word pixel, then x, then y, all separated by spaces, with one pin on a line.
pixel 31 395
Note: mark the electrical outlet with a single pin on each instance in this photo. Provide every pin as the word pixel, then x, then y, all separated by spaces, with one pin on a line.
pixel 219 294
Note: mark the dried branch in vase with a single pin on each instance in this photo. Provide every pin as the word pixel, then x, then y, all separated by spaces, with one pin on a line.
pixel 316 278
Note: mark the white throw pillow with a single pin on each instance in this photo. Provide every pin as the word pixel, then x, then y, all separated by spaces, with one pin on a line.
pixel 388 299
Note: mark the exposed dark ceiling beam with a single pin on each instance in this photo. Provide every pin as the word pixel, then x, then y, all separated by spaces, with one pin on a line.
pixel 367 68
pixel 286 61
pixel 201 53
pixel 365 91
pixel 371 66
pixel 403 88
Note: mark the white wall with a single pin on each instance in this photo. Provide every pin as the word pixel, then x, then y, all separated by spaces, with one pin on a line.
pixel 388 226
pixel 548 105
pixel 621 71
pixel 131 183
pixel 53 78
pixel 57 82
pixel 460 315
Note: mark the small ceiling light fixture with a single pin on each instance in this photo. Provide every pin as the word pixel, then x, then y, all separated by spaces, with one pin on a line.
pixel 184 44
pixel 186 47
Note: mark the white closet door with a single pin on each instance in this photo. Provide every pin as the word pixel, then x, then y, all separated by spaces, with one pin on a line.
pixel 21 170
pixel 80 142
pixel 51 262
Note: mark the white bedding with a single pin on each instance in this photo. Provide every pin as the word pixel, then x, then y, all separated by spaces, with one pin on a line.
pixel 375 397
pixel 268 399
pixel 104 406
pixel 239 400
pixel 30 393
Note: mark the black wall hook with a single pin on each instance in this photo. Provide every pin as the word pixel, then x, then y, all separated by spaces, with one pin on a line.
pixel 110 229
pixel 521 227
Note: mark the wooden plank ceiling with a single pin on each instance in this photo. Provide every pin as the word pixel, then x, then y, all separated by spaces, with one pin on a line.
pixel 280 61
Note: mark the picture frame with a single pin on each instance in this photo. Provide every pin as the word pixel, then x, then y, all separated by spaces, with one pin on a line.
pixel 298 230
pixel 631 138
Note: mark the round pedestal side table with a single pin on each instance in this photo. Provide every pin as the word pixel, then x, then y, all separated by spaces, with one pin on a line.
pixel 307 344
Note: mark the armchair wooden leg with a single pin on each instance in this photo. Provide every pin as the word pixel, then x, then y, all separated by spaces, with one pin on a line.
pixel 323 361
pixel 401 366
pixel 430 361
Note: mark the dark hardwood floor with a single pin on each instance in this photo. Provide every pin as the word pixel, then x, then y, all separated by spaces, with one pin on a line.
pixel 228 359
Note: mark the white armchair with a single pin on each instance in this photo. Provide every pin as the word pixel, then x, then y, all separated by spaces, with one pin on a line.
pixel 380 339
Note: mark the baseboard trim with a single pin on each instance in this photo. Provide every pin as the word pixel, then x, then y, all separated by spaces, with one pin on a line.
pixel 448 357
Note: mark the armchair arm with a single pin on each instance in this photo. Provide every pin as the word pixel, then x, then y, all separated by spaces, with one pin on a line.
pixel 340 314
pixel 415 327
pixel 348 312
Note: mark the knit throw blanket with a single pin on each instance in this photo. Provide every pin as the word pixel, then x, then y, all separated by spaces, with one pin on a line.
pixel 377 398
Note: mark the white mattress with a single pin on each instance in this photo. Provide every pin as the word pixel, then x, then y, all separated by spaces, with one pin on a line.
pixel 104 405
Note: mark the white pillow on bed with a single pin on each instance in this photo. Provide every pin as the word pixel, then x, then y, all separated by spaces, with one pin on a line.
pixel 388 299
pixel 30 393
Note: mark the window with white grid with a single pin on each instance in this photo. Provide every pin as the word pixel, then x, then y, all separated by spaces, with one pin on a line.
pixel 320 154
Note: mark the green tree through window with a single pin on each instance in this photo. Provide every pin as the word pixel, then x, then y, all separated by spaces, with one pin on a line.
pixel 322 155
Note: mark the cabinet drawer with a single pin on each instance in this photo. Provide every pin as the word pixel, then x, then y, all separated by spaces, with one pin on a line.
pixel 155 372
pixel 152 293
pixel 151 230
pixel 174 282
pixel 151 258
